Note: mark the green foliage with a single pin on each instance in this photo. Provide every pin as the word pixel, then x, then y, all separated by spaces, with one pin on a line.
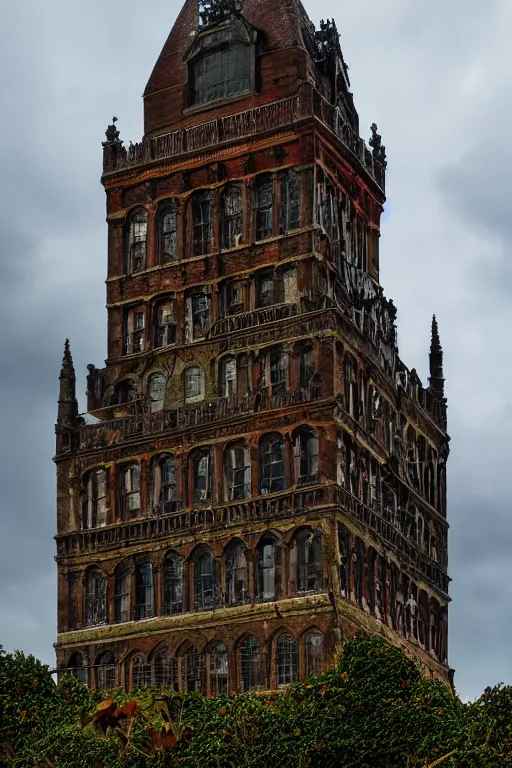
pixel 373 710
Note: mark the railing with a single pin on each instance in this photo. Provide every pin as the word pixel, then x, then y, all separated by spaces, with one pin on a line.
pixel 247 320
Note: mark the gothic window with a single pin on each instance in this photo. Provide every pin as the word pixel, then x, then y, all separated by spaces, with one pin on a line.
pixel 194 672
pixel 144 596
pixel 289 215
pixel 141 671
pixel 219 670
pixel 238 472
pixel 204 579
pixel 130 492
pixel 194 385
pixel 203 476
pixel 125 392
pixel 264 207
pixel 305 455
pixel 314 653
pixel 270 289
pixel 229 378
pixel 221 74
pixel 237 581
pixel 106 671
pixel 137 236
pixel 168 233
pixel 173 585
pixel 166 325
pixel 157 383
pixel 134 336
pixel 198 317
pixel 164 482
pixel 287 660
pixel 202 223
pixel 122 594
pixel 267 572
pixel 251 666
pixel 165 670
pixel 272 471
pixel 77 668
pixel 309 561
pixel 95 599
pixel 94 500
pixel 232 218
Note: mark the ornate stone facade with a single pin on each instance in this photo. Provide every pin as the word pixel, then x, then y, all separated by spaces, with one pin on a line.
pixel 264 475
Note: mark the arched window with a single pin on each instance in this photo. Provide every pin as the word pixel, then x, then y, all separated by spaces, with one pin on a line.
pixel 287 660
pixel 106 671
pixel 174 585
pixel 141 671
pixel 305 455
pixel 314 644
pixel 202 464
pixel 268 569
pixel 264 207
pixel 122 594
pixel 167 236
pixel 137 236
pixel 144 596
pixel 95 598
pixel 157 383
pixel 194 672
pixel 204 579
pixel 237 580
pixel 237 465
pixel 165 670
pixel 232 218
pixel 309 561
pixel 252 677
pixel 130 492
pixel 272 471
pixel 202 223
pixel 220 74
pixel 77 668
pixel 219 670
pixel 289 214
pixel 164 485
pixel 94 500
pixel 166 325
pixel 194 384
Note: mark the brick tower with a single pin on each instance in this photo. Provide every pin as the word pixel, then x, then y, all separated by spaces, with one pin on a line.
pixel 263 476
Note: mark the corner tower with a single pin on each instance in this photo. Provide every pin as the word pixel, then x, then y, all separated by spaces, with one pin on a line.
pixel 264 475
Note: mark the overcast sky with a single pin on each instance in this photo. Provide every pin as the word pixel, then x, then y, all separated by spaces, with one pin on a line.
pixel 436 77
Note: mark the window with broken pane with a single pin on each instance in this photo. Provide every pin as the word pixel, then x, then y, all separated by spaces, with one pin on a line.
pixel 235 298
pixel 287 660
pixel 277 365
pixel 164 485
pixel 173 585
pixel 252 677
pixel 266 574
pixel 232 218
pixel 76 667
pixel 289 214
pixel 141 671
pixel 203 476
pixel 165 670
pixel 134 332
pixel 131 491
pixel 238 472
pixel 202 223
pixel 125 392
pixel 229 379
pixel 193 667
pixel 270 290
pixel 94 500
pixel 219 670
pixel 106 672
pixel 95 598
pixel 122 595
pixel 194 384
pixel 200 305
pixel 237 579
pixel 157 384
pixel 166 325
pixel 271 464
pixel 137 241
pixel 315 662
pixel 168 233
pixel 221 74
pixel 305 455
pixel 309 561
pixel 204 581
pixel 264 207
pixel 144 595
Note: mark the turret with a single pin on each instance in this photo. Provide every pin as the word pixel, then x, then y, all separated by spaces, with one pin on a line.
pixel 436 379
pixel 67 414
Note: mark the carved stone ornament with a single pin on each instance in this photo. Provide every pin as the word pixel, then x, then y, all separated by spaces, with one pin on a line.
pixel 379 150
pixel 213 12
pixel 112 134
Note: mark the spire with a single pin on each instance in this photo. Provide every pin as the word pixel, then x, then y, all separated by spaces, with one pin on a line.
pixel 436 379
pixel 68 405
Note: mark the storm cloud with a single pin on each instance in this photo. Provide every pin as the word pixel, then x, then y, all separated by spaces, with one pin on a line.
pixel 436 78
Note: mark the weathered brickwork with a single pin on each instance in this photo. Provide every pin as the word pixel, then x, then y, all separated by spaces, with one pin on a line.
pixel 260 474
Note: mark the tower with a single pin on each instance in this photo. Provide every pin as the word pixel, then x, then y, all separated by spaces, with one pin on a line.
pixel 265 475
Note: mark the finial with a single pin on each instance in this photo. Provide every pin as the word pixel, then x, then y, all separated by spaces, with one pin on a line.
pixel 68 368
pixel 112 134
pixel 436 341
pixel 379 150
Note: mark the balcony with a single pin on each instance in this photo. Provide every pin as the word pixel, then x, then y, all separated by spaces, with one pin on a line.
pixel 247 320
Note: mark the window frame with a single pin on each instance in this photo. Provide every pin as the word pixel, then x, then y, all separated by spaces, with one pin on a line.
pixel 96 602
pixel 173 585
pixel 264 208
pixel 166 330
pixel 209 51
pixel 166 209
pixel 133 239
pixel 200 381
pixel 268 479
pixel 231 224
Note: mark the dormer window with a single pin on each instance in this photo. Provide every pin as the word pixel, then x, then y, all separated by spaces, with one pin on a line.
pixel 221 74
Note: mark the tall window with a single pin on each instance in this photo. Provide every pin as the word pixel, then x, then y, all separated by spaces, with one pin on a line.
pixel 287 660
pixel 276 372
pixel 198 316
pixel 202 223
pixel 141 671
pixel 168 233
pixel 204 579
pixel 95 599
pixel 221 74
pixel 238 472
pixel 144 599
pixel 237 581
pixel 305 455
pixel 272 471
pixel 289 215
pixel 267 575
pixel 157 383
pixel 164 482
pixel 125 392
pixel 137 241
pixel 134 340
pixel 194 672
pixel 166 325
pixel 219 670
pixel 77 668
pixel 174 585
pixel 264 207
pixel 94 500
pixel 309 561
pixel 229 378
pixel 270 289
pixel 165 670
pixel 130 492
pixel 314 653
pixel 106 671
pixel 203 476
pixel 232 219
pixel 194 385
pixel 307 366
pixel 123 582
pixel 252 677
